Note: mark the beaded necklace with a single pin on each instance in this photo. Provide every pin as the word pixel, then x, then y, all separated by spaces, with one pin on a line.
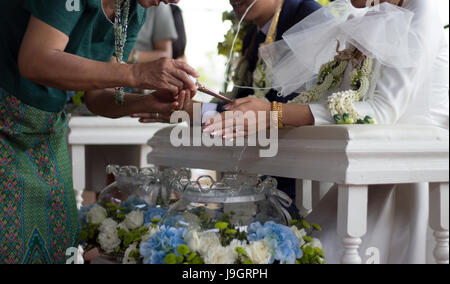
pixel 120 37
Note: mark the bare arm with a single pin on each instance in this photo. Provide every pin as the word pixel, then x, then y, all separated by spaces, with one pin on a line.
pixel 162 49
pixel 297 115
pixel 42 59
pixel 101 102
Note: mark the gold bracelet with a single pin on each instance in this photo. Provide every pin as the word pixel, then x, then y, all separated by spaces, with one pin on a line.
pixel 277 112
pixel 274 114
pixel 280 116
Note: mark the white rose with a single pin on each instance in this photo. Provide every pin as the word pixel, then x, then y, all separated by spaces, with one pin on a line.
pixel 221 255
pixel 108 239
pixel 316 243
pixel 299 234
pixel 107 224
pixel 259 252
pixel 96 215
pixel 134 219
pixel 127 259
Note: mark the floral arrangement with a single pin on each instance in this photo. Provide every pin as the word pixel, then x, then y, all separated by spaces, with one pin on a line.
pixel 136 236
pixel 270 243
pixel 118 230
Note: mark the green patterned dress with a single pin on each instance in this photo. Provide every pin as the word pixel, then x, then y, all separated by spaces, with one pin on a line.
pixel 38 214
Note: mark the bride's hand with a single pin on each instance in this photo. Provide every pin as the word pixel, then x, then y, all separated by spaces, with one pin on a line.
pixel 237 125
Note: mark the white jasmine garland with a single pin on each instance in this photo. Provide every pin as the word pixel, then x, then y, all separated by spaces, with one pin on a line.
pixel 108 239
pixel 127 259
pixel 259 252
pixel 96 215
pixel 134 220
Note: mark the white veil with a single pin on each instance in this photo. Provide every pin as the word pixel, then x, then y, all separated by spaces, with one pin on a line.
pixel 382 32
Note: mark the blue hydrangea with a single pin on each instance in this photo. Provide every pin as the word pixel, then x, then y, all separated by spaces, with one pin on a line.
pixel 161 244
pixel 154 213
pixel 82 214
pixel 283 242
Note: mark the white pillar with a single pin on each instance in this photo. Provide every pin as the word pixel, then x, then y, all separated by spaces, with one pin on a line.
pixel 303 196
pixel 439 215
pixel 352 220
pixel 79 172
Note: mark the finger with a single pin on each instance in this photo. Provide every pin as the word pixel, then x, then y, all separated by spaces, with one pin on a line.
pixel 186 68
pixel 214 123
pixel 153 121
pixel 184 77
pixel 181 100
pixel 178 84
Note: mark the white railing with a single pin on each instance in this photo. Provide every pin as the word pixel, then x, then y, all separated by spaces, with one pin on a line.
pixel 353 157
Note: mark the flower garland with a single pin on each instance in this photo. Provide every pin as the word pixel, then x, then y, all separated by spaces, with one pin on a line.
pixel 340 104
pixel 120 35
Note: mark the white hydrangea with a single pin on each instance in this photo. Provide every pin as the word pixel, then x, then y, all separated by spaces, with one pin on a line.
pixel 96 215
pixel 259 252
pixel 134 220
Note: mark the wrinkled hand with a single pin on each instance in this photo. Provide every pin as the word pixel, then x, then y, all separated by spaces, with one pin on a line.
pixel 184 103
pixel 232 127
pixel 164 74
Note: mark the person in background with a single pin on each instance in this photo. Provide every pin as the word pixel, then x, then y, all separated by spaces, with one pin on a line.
pixel 156 36
pixel 179 45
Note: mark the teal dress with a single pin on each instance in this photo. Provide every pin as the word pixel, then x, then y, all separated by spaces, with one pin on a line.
pixel 38 214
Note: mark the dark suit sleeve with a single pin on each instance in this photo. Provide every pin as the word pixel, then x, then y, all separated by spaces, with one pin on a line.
pixel 307 8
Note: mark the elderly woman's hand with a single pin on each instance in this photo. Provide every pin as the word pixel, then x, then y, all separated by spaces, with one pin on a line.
pixel 164 74
pixel 183 103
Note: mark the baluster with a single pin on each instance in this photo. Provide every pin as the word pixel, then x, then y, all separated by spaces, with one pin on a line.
pixel 352 220
pixel 439 219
